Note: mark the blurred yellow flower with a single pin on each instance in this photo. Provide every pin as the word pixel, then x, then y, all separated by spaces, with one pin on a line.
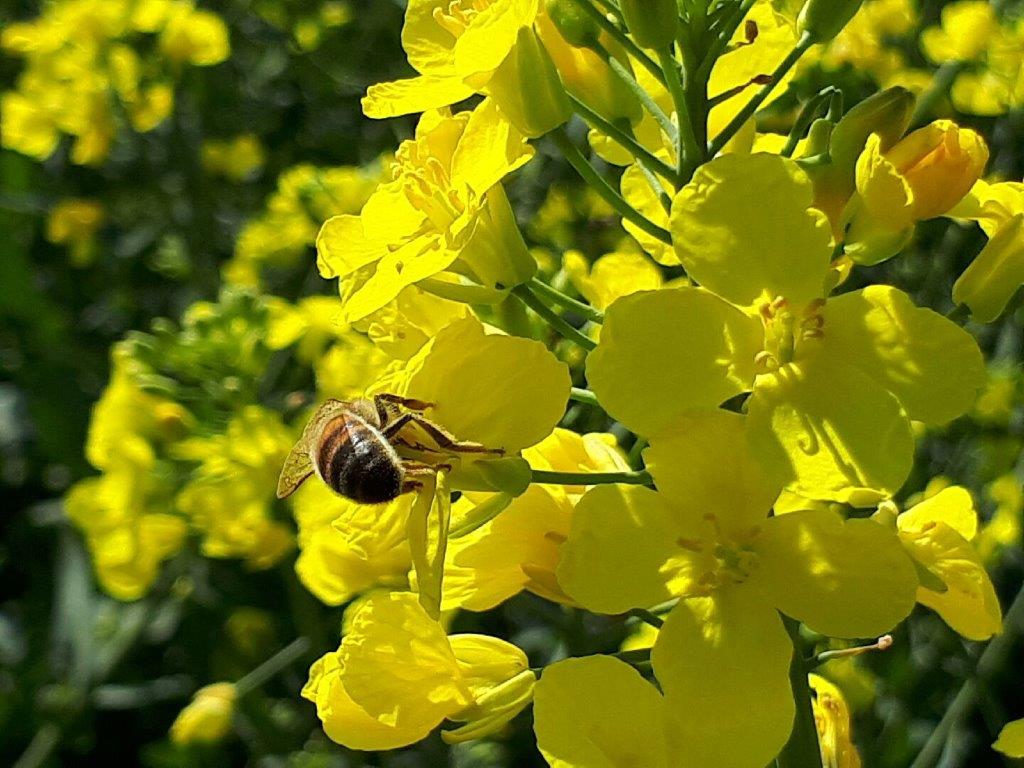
pixel 207 718
pixel 74 222
pixel 237 159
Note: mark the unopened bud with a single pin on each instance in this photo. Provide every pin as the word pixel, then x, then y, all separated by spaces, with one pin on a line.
pixel 652 23
pixel 573 23
pixel 822 20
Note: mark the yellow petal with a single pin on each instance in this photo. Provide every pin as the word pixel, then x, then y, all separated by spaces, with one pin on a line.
pixel 991 280
pixel 952 506
pixel 829 432
pixel 969 603
pixel 488 38
pixel 347 723
pixel 597 712
pixel 637 191
pixel 931 364
pixel 427 44
pixel 398 665
pixel 842 579
pixel 716 658
pixel 490 148
pixel 486 567
pixel 704 465
pixel 502 391
pixel 1011 739
pixel 613 525
pixel 415 94
pixel 648 385
pixel 612 276
pixel 884 192
pixel 747 251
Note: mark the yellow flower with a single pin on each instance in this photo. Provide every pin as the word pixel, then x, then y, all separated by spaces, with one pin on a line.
pixel 1011 739
pixel 705 536
pixel 397 676
pixel 207 718
pixel 832 720
pixel 835 383
pixel 937 533
pixel 305 197
pixel 519 549
pixel 990 281
pixel 230 495
pixel 445 204
pixel 462 47
pixel 922 176
pixel 74 222
pixel 967 28
pixel 1003 529
pixel 196 36
pixel 127 539
pixel 611 276
pixel 349 548
pixel 236 159
pixel 865 43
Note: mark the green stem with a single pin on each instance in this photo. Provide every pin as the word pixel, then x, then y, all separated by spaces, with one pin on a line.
pixel 630 144
pixel 991 660
pixel 41 747
pixel 663 120
pixel 273 666
pixel 752 106
pixel 547 291
pixel 621 38
pixel 639 656
pixel 802 750
pixel 939 87
pixel 647 617
pixel 584 396
pixel 687 152
pixel 805 118
pixel 552 318
pixel 640 477
pixel 722 41
pixel 603 188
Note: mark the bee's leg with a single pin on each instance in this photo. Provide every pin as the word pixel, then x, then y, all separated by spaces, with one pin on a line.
pixel 406 402
pixel 392 428
pixel 413 470
pixel 447 441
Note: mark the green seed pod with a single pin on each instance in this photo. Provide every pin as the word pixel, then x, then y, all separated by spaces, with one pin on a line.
pixel 572 23
pixel 824 19
pixel 652 23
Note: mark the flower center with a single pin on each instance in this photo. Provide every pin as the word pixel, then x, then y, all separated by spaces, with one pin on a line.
pixel 427 185
pixel 730 557
pixel 787 332
pixel 458 15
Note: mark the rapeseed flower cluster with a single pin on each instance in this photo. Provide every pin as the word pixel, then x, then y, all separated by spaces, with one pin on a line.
pixel 94 67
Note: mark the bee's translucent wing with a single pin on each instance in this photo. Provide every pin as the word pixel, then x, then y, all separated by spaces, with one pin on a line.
pixel 299 465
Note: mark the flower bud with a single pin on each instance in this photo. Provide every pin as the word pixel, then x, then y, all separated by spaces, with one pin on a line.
pixel 207 718
pixel 587 76
pixel 527 89
pixel 572 23
pixel 824 19
pixel 940 163
pixel 652 23
pixel 988 284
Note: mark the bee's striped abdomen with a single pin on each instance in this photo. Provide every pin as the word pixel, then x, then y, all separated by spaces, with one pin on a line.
pixel 356 461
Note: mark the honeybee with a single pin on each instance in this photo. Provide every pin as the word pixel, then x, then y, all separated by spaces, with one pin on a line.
pixel 365 451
